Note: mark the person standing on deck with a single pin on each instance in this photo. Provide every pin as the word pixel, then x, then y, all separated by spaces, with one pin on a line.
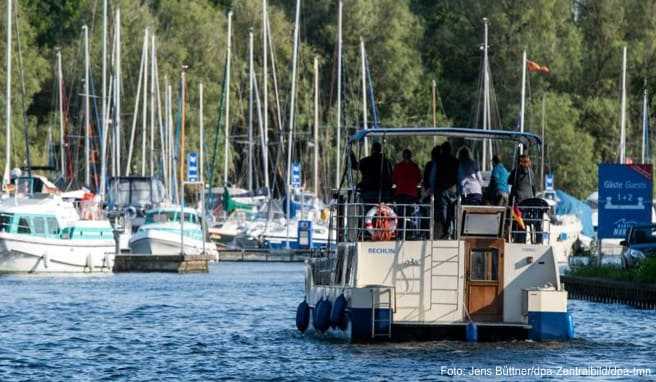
pixel 522 181
pixel 498 187
pixel 470 182
pixel 406 177
pixel 376 175
pixel 440 179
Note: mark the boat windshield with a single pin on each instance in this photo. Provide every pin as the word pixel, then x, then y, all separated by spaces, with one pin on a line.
pixel 170 217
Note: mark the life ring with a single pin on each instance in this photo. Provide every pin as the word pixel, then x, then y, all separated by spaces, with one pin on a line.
pixel 380 222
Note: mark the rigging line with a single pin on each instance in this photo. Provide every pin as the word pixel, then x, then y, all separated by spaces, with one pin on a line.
pixel 22 77
pixel 372 99
pixel 211 197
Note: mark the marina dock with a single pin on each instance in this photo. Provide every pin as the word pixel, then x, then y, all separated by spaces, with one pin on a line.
pixel 263 255
pixel 610 291
pixel 162 263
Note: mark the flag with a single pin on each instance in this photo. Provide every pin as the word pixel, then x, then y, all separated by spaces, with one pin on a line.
pixel 533 66
pixel 517 217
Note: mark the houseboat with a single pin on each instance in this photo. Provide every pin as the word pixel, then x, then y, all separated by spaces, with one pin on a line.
pixel 390 278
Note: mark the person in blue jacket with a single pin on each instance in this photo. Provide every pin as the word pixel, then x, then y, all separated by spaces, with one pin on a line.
pixel 498 188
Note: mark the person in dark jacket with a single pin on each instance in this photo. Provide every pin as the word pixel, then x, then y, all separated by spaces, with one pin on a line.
pixel 440 180
pixel 522 181
pixel 376 175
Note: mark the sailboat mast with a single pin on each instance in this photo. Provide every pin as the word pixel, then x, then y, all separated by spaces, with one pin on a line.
pixel 434 104
pixel 60 80
pixel 182 133
pixel 227 104
pixel 316 125
pixel 364 94
pixel 250 110
pixel 623 110
pixel 339 92
pixel 544 111
pixel 87 122
pixel 152 105
pixel 523 102
pixel 8 98
pixel 144 111
pixel 645 125
pixel 201 126
pixel 290 138
pixel 103 112
pixel 117 92
pixel 265 95
pixel 486 94
pixel 142 70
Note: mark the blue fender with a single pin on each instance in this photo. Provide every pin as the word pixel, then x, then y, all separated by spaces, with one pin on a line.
pixel 303 316
pixel 338 317
pixel 322 315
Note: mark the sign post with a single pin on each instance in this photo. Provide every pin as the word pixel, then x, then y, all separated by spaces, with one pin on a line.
pixel 625 198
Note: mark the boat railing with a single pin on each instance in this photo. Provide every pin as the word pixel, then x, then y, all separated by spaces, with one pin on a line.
pixel 363 221
pixel 529 224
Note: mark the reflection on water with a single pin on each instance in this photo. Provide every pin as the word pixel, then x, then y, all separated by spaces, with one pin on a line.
pixel 238 321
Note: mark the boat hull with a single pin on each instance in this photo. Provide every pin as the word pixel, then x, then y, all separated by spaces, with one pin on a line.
pixel 154 242
pixel 31 254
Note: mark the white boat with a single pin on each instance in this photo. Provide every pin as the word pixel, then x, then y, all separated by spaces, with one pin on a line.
pixel 390 281
pixel 163 233
pixel 42 233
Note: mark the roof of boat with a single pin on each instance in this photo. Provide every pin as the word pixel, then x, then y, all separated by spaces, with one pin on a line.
pixel 454 132
pixel 34 204
pixel 187 210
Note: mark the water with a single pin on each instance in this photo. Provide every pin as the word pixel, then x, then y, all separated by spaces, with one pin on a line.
pixel 237 323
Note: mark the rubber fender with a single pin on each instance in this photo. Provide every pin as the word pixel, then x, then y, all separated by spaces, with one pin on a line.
pixel 471 332
pixel 338 315
pixel 322 316
pixel 303 316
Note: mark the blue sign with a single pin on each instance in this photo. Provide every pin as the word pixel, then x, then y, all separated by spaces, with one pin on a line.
pixel 192 167
pixel 625 198
pixel 296 175
pixel 304 232
pixel 549 182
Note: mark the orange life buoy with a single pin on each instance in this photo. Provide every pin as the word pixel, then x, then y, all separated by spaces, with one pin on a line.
pixel 380 222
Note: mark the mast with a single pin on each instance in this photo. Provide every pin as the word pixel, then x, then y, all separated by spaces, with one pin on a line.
pixel 339 92
pixel 265 95
pixel 6 179
pixel 316 125
pixel 103 112
pixel 201 124
pixel 182 158
pixel 144 111
pixel 142 70
pixel 117 93
pixel 250 110
pixel 645 126
pixel 152 105
pixel 60 79
pixel 87 127
pixel 290 138
pixel 434 99
pixel 623 110
pixel 486 94
pixel 544 109
pixel 364 94
pixel 523 102
pixel 227 103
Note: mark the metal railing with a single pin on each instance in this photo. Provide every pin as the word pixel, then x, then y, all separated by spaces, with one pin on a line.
pixel 359 221
pixel 537 225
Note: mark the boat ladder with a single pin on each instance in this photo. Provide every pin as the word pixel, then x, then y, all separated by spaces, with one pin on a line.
pixel 381 313
pixel 445 273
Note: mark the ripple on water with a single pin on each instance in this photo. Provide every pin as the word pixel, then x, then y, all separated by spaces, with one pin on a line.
pixel 237 322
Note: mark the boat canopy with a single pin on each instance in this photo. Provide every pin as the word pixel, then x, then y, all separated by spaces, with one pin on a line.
pixel 453 132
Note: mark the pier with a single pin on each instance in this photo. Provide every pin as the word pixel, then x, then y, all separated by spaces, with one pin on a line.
pixel 265 255
pixel 162 263
pixel 638 295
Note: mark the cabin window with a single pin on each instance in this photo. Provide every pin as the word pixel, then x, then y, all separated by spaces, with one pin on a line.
pixel 39 225
pixel 53 226
pixel 484 264
pixel 23 226
pixel 5 222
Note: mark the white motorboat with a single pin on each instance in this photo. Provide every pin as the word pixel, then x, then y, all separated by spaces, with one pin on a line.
pixel 164 233
pixel 43 233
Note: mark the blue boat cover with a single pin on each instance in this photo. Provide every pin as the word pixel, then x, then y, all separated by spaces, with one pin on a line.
pixel 567 204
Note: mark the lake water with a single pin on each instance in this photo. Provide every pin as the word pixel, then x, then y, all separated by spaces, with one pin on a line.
pixel 237 323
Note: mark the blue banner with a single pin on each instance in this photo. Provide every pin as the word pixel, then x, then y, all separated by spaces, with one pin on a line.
pixel 625 198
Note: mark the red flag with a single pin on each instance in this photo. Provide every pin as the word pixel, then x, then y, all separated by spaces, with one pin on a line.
pixel 534 67
pixel 517 216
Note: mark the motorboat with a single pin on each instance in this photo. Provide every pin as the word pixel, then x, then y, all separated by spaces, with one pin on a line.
pixel 390 278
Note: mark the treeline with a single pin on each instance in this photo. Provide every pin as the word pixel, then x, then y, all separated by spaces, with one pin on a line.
pixel 409 44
